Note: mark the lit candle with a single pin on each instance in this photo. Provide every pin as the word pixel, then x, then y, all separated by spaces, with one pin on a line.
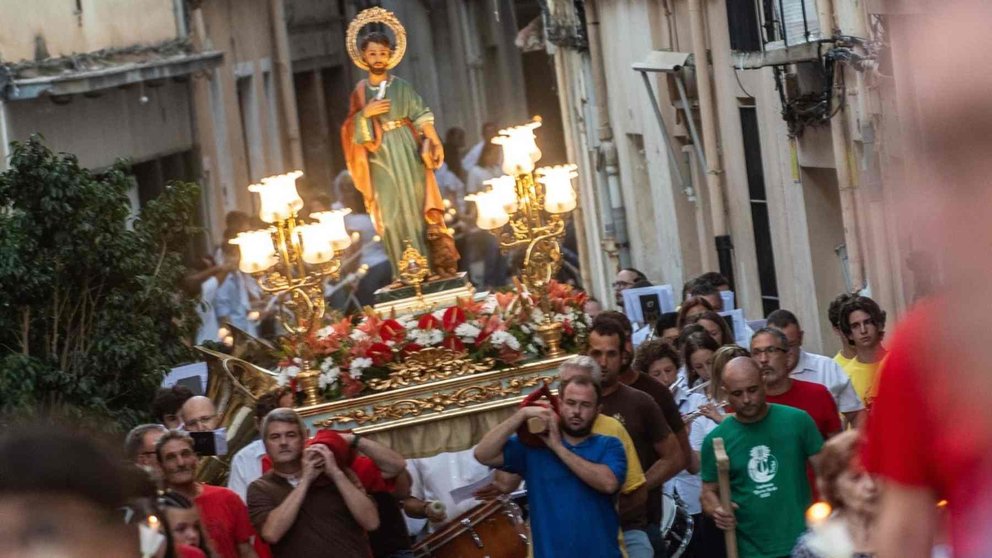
pixel 336 232
pixel 505 190
pixel 316 239
pixel 491 214
pixel 258 253
pixel 829 537
pixel 151 537
pixel 559 196
pixel 520 150
pixel 278 196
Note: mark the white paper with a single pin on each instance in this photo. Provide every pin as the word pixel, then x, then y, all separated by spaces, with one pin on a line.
pixel 467 492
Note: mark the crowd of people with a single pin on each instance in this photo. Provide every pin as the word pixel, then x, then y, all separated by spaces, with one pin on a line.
pixel 629 444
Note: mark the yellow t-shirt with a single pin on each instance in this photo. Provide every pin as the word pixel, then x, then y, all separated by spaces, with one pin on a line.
pixel 609 426
pixel 864 378
pixel 842 360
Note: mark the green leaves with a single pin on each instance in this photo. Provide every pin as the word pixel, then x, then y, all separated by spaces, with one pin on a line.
pixel 91 312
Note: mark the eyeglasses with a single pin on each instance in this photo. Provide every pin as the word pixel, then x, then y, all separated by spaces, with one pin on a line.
pixel 195 423
pixel 767 351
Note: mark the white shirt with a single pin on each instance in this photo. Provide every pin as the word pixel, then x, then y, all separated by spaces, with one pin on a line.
pixel 687 485
pixel 826 372
pixel 246 466
pixel 205 309
pixel 435 477
pixel 472 157
pixel 477 175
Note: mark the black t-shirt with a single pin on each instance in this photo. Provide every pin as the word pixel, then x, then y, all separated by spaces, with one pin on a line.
pixel 663 397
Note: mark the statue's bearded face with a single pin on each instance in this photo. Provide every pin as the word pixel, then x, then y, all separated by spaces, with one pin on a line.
pixel 377 57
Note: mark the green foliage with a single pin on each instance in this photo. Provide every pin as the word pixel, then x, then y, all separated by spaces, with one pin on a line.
pixel 91 312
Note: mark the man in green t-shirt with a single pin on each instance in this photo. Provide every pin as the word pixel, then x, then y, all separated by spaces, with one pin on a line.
pixel 768 446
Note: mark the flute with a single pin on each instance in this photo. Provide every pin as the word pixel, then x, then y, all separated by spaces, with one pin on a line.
pixel 689 417
pixel 699 387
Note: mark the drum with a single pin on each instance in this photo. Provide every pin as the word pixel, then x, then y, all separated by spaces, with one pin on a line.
pixel 676 525
pixel 492 529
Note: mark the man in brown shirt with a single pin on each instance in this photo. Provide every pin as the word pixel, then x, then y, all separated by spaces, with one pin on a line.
pixel 309 504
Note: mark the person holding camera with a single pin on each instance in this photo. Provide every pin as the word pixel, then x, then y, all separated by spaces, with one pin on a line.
pixel 222 512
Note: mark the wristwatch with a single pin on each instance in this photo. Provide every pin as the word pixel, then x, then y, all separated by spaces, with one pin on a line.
pixel 354 441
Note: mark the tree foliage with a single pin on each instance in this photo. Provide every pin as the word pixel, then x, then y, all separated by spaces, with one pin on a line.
pixel 91 311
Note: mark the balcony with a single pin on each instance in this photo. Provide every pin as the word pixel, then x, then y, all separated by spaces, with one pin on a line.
pixel 774 32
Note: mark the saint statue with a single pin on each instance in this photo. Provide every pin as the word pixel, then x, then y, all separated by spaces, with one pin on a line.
pixel 392 150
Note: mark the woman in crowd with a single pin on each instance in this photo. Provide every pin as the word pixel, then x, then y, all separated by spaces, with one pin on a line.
pixel 658 359
pixel 697 354
pixel 716 326
pixel 852 494
pixel 692 307
pixel 183 522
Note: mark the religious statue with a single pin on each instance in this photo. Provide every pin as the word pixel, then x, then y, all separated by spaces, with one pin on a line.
pixel 392 149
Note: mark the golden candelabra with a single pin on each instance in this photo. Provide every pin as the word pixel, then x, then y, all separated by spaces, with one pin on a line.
pixel 294 258
pixel 525 209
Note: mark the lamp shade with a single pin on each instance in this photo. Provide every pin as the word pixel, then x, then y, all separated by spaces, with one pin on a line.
pixel 279 199
pixel 491 214
pixel 336 231
pixel 559 196
pixel 520 150
pixel 258 253
pixel 316 238
pixel 504 189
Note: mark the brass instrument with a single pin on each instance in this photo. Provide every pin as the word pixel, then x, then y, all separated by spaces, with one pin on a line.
pixel 233 385
pixel 689 417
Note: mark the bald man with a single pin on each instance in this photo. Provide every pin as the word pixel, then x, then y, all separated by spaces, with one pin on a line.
pixel 768 446
pixel 198 414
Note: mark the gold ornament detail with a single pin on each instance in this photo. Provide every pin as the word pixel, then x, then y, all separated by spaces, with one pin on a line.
pixel 436 402
pixel 428 365
pixel 375 15
pixel 414 268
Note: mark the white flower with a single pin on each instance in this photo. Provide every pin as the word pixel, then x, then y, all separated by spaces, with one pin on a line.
pixel 284 373
pixel 489 304
pixel 358 335
pixel 530 348
pixel 467 332
pixel 525 328
pixel 537 316
pixel 329 377
pixel 292 371
pixel 501 339
pixel 427 337
pixel 408 322
pixel 390 343
pixel 358 365
pixel 324 332
pixel 439 314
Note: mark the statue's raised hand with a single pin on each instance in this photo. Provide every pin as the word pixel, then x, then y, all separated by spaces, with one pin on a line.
pixel 376 108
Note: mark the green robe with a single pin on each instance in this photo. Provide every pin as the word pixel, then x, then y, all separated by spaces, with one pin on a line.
pixel 396 169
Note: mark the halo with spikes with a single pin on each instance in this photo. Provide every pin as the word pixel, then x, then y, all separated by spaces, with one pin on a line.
pixel 376 15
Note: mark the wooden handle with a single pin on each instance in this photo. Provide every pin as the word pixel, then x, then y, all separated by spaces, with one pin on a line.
pixel 537 425
pixel 723 476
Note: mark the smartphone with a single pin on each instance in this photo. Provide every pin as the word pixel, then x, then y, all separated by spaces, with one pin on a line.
pixel 213 442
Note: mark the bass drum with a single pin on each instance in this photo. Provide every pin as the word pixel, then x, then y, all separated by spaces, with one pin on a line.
pixel 676 525
pixel 492 529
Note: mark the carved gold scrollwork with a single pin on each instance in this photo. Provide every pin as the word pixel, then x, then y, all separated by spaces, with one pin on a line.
pixel 436 402
pixel 428 365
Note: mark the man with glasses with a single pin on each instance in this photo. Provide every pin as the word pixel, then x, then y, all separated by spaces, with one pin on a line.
pixel 198 414
pixel 769 348
pixel 139 447
pixel 818 369
pixel 626 279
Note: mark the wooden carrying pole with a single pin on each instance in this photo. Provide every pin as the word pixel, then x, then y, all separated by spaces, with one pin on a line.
pixel 723 476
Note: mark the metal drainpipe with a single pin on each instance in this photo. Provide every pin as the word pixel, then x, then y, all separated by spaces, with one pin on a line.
pixel 284 71
pixel 4 135
pixel 707 114
pixel 616 244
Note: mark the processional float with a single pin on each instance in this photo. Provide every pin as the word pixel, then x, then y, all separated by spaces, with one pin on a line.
pixel 433 365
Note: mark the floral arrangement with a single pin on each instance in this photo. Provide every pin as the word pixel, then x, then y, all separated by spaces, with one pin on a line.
pixel 352 350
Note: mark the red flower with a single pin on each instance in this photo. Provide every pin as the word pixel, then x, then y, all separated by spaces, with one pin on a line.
pixel 453 317
pixel 428 321
pixel 510 356
pixel 453 343
pixel 469 306
pixel 505 300
pixel 350 387
pixel 409 349
pixel 380 353
pixel 391 330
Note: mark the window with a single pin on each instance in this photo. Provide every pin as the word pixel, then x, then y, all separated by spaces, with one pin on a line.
pixel 759 210
pixel 743 22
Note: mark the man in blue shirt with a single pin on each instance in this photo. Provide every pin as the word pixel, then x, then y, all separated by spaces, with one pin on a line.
pixel 572 481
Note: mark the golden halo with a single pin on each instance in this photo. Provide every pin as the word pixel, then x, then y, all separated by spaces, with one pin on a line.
pixel 376 15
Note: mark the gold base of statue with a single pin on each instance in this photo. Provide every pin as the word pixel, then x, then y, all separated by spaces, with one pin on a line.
pixel 550 333
pixel 433 295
